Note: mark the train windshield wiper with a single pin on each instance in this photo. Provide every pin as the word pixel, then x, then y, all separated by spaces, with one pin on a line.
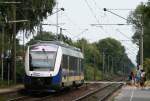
pixel 45 54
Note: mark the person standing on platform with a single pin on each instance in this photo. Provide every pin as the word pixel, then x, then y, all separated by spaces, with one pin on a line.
pixel 132 78
pixel 138 77
pixel 143 78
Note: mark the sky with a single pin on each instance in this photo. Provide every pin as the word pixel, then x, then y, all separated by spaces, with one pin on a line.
pixel 80 14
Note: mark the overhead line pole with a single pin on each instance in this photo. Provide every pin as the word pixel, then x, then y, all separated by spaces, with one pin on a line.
pixel 103 71
pixel 141 35
pixel 2 56
pixel 141 43
pixel 14 42
pixel 57 21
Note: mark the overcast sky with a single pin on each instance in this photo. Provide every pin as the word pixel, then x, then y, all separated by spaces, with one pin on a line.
pixel 80 14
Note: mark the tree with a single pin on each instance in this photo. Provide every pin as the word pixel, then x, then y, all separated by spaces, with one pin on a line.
pixel 113 48
pixel 144 10
pixel 49 36
pixel 147 67
pixel 32 10
pixel 92 60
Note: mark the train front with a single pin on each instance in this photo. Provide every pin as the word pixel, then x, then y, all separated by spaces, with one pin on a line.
pixel 42 67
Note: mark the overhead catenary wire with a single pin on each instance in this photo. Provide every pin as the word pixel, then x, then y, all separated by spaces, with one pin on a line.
pixel 74 25
pixel 91 10
pixel 123 34
pixel 71 21
pixel 122 9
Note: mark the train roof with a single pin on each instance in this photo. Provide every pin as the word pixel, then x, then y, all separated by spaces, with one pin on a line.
pixel 59 43
pixel 67 49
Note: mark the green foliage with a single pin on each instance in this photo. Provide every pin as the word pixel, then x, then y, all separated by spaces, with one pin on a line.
pixel 20 71
pixel 144 11
pixel 147 68
pixel 89 72
pixel 114 50
pixel 49 36
pixel 111 46
pixel 33 10
pixel 2 98
pixel 45 36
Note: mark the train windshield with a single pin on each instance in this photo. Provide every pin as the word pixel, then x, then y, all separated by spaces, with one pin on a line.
pixel 42 60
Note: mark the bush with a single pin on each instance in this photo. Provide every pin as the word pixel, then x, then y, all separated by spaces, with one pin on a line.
pixel 89 72
pixel 147 68
pixel 20 71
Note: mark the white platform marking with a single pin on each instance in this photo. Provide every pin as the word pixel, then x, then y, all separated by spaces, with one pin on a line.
pixel 105 82
pixel 132 94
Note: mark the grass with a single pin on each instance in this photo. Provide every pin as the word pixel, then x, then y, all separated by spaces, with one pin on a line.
pixel 2 98
pixel 147 83
pixel 4 84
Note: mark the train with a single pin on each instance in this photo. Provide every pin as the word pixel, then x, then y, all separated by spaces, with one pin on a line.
pixel 53 65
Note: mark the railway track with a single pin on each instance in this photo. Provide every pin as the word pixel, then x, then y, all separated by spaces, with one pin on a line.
pixel 32 97
pixel 100 94
pixel 90 92
pixel 17 98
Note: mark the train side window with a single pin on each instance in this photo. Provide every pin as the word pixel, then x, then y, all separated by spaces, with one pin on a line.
pixel 75 65
pixel 78 68
pixel 71 65
pixel 65 62
pixel 82 68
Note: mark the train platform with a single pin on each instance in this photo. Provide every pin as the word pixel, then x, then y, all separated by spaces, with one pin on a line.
pixel 130 93
pixel 11 89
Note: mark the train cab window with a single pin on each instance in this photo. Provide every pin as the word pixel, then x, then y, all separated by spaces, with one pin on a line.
pixel 30 62
pixel 42 57
pixel 42 60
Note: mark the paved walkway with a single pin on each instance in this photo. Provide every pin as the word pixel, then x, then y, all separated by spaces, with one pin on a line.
pixel 11 89
pixel 129 93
